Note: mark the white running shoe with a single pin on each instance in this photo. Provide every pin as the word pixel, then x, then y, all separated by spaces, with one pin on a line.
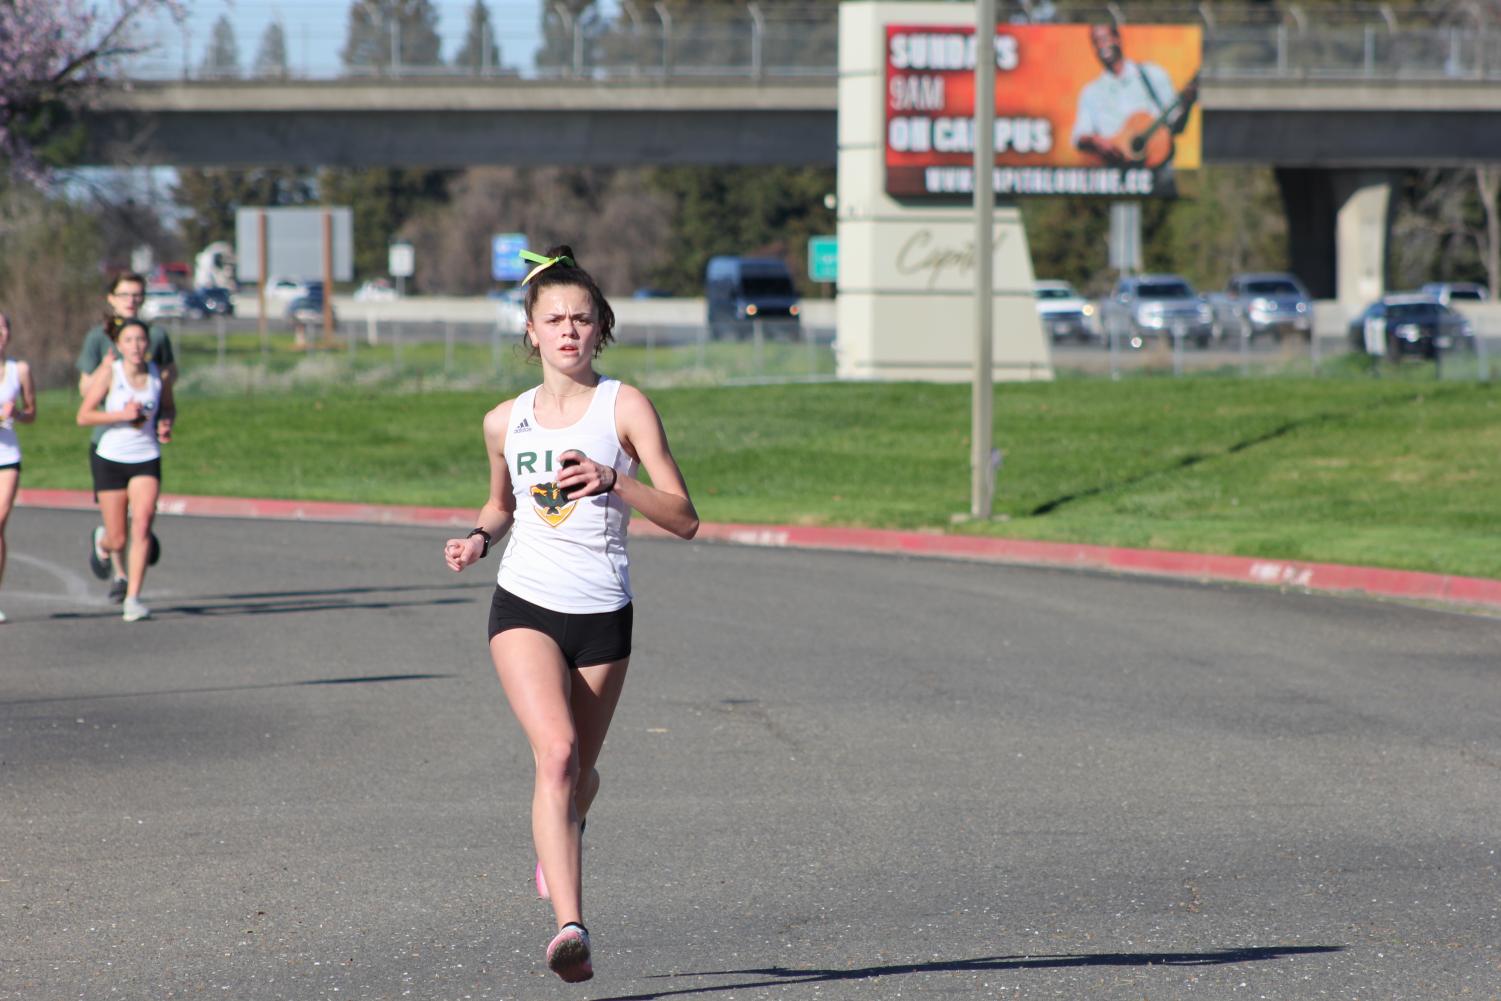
pixel 568 954
pixel 2 616
pixel 98 556
pixel 135 611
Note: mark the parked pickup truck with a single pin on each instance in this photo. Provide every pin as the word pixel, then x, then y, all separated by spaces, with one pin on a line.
pixel 1254 305
pixel 1163 307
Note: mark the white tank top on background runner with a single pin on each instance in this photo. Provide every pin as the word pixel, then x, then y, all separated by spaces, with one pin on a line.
pixel 10 389
pixel 126 442
pixel 566 555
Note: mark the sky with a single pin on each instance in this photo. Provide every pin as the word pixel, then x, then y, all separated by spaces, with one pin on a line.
pixel 315 32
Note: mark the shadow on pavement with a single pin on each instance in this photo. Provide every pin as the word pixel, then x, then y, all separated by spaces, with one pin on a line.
pixel 373 679
pixel 782 976
pixel 468 585
pixel 214 610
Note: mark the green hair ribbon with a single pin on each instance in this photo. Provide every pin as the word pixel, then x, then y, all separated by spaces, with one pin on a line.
pixel 543 263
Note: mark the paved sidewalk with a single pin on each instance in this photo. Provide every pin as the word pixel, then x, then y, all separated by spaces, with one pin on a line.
pixel 1297 574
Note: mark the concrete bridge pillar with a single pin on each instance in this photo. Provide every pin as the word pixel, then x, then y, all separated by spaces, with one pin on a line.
pixel 1338 222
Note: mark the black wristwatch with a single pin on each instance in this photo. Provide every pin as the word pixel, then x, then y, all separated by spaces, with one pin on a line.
pixel 483 535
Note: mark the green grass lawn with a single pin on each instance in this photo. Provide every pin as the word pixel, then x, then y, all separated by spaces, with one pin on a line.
pixel 1399 471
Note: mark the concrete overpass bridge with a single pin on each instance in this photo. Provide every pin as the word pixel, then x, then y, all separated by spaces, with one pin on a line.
pixel 1285 122
pixel 1337 108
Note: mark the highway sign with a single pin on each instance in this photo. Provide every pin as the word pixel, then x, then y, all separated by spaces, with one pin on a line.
pixel 823 258
pixel 506 264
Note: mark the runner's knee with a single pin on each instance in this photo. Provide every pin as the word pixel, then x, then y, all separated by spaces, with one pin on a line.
pixel 558 763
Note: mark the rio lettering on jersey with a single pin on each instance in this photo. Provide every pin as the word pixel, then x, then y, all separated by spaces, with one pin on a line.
pixel 526 462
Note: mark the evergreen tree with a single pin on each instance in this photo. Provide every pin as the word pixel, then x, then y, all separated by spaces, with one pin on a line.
pixel 1228 220
pixel 210 198
pixel 741 210
pixel 1069 240
pixel 377 27
pixel 271 58
pixel 480 53
pixel 222 60
pixel 383 199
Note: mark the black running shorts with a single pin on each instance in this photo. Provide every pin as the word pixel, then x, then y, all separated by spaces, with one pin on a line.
pixel 111 475
pixel 584 638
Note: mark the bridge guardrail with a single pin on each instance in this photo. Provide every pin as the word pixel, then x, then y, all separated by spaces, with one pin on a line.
pixel 767 41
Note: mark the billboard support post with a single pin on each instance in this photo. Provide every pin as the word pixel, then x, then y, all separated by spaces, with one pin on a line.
pixel 328 276
pixel 1125 237
pixel 262 254
pixel 982 482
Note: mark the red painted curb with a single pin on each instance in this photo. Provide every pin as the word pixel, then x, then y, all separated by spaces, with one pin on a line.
pixel 1335 577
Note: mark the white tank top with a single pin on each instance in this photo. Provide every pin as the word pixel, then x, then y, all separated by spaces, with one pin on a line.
pixel 126 442
pixel 10 389
pixel 566 555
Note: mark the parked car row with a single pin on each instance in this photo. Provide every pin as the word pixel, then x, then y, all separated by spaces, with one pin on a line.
pixel 1408 324
pixel 169 302
pixel 306 310
pixel 1065 314
pixel 1141 308
pixel 1257 304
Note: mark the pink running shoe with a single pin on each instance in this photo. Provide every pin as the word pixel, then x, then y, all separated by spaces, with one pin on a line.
pixel 568 954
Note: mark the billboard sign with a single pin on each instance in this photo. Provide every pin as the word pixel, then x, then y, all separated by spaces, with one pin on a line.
pixel 294 242
pixel 1080 109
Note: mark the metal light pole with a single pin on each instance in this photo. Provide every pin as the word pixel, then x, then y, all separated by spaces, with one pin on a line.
pixel 982 478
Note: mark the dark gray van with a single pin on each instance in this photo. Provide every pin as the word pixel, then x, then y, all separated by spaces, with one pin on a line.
pixel 741 291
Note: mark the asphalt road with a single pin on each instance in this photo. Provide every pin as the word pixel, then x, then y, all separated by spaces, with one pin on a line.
pixel 832 776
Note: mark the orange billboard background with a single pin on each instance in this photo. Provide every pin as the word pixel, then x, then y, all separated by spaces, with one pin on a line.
pixel 1040 74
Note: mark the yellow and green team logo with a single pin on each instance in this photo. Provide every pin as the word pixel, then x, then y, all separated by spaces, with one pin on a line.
pixel 550 503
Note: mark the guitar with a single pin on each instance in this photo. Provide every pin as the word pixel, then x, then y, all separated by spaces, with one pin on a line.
pixel 1145 141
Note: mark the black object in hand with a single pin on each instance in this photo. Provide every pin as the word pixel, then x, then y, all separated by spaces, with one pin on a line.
pixel 565 464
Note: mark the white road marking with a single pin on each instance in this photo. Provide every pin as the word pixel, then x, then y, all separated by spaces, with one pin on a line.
pixel 76 587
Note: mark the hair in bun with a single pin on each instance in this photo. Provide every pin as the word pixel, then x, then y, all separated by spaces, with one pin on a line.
pixel 567 272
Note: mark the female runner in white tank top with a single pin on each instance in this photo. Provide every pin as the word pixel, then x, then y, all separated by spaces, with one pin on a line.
pixel 17 405
pixel 563 458
pixel 138 412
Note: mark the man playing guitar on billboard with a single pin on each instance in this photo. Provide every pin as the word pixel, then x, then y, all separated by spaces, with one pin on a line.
pixel 1129 114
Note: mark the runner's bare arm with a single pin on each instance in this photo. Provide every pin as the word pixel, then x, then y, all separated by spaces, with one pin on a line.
pixel 89 413
pixel 26 412
pixel 499 510
pixel 665 502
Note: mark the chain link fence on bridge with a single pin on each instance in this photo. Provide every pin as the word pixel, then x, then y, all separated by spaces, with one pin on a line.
pixel 770 41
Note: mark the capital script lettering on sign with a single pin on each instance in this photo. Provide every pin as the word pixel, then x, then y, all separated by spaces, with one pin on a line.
pixel 920 255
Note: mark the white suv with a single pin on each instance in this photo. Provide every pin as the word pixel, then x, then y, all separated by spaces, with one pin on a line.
pixel 1064 313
